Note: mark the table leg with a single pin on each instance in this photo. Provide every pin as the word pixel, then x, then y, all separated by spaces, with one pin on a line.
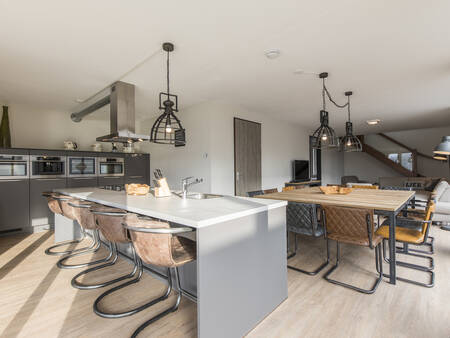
pixel 392 249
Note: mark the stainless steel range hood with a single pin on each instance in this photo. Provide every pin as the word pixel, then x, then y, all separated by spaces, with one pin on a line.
pixel 122 120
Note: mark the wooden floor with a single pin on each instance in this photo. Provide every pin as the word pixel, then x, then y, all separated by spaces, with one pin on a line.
pixel 36 299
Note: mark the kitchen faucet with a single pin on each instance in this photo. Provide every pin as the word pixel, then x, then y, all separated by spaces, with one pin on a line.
pixel 185 183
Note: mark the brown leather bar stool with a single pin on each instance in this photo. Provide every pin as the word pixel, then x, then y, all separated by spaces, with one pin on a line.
pixel 79 210
pixel 157 243
pixel 109 221
pixel 54 200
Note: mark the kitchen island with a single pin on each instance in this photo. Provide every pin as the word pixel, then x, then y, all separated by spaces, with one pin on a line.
pixel 240 274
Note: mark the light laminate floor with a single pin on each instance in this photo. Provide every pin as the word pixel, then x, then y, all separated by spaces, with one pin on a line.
pixel 36 299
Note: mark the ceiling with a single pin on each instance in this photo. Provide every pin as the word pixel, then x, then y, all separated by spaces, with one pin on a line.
pixel 394 55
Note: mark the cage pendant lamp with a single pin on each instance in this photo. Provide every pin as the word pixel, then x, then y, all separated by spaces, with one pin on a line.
pixel 350 142
pixel 324 137
pixel 167 128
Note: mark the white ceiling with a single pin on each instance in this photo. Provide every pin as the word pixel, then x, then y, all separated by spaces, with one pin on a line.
pixel 394 55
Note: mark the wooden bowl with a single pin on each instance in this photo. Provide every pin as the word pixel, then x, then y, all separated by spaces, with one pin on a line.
pixel 335 189
pixel 137 189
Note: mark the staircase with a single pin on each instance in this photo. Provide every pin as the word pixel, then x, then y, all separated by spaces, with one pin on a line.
pixel 398 167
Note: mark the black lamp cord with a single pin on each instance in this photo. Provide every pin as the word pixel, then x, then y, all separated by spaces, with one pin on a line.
pixel 168 93
pixel 325 91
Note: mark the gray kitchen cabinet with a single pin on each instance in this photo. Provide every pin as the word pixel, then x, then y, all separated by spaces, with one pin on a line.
pixel 14 204
pixel 110 180
pixel 137 168
pixel 40 214
pixel 82 182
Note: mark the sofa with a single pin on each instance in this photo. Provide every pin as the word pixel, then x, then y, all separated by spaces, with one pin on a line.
pixel 423 186
pixel 441 194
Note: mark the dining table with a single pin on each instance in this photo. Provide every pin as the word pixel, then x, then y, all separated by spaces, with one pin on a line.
pixel 387 203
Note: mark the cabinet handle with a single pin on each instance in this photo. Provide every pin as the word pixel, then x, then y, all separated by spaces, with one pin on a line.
pixel 114 177
pixel 49 179
pixel 136 176
pixel 83 178
pixel 10 180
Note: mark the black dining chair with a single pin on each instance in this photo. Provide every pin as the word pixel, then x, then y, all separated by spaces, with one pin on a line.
pixel 302 218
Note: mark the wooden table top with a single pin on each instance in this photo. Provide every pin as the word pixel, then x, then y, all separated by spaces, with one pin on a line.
pixel 388 200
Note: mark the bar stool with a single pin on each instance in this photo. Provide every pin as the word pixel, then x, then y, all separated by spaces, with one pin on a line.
pixel 54 200
pixel 109 222
pixel 78 210
pixel 157 243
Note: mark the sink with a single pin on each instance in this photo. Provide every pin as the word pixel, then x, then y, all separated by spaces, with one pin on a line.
pixel 200 196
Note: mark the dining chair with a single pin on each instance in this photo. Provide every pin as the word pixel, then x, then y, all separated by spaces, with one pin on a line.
pixel 288 188
pixel 352 226
pixel 302 218
pixel 270 191
pixel 413 236
pixel 255 193
pixel 356 186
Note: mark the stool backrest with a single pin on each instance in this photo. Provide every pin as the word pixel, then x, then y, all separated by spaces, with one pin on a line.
pixel 67 210
pixel 351 225
pixel 157 248
pixel 83 215
pixel 110 224
pixel 54 205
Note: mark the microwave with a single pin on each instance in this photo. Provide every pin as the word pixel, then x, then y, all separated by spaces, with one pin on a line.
pixel 111 166
pixel 81 166
pixel 14 166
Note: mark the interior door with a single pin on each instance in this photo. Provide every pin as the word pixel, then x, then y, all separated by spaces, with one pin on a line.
pixel 247 156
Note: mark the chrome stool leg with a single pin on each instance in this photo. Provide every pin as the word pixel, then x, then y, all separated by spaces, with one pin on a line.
pixel 160 315
pixel 49 251
pixel 121 286
pixel 81 286
pixel 60 264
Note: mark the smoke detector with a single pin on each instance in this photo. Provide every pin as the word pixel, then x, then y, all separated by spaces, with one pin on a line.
pixel 272 53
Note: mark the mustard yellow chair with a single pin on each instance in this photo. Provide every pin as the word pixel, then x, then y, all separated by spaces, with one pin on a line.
pixel 417 234
pixel 290 188
pixel 356 186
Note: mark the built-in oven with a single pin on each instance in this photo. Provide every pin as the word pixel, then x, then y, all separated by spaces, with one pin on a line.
pixel 81 166
pixel 111 166
pixel 14 166
pixel 43 166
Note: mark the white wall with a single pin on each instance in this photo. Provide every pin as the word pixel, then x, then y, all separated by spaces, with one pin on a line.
pixel 37 128
pixel 424 140
pixel 332 166
pixel 209 152
pixel 281 142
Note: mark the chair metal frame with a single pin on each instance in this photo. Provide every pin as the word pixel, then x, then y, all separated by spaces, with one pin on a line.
pixel 174 270
pixel 406 251
pixel 95 246
pixel 49 250
pixel 378 261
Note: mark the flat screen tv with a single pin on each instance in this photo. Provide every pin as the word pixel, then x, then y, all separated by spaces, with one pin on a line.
pixel 300 170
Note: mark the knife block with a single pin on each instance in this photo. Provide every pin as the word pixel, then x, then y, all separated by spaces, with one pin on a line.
pixel 163 190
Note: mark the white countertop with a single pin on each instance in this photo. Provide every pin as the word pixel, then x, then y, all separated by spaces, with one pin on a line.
pixel 191 212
